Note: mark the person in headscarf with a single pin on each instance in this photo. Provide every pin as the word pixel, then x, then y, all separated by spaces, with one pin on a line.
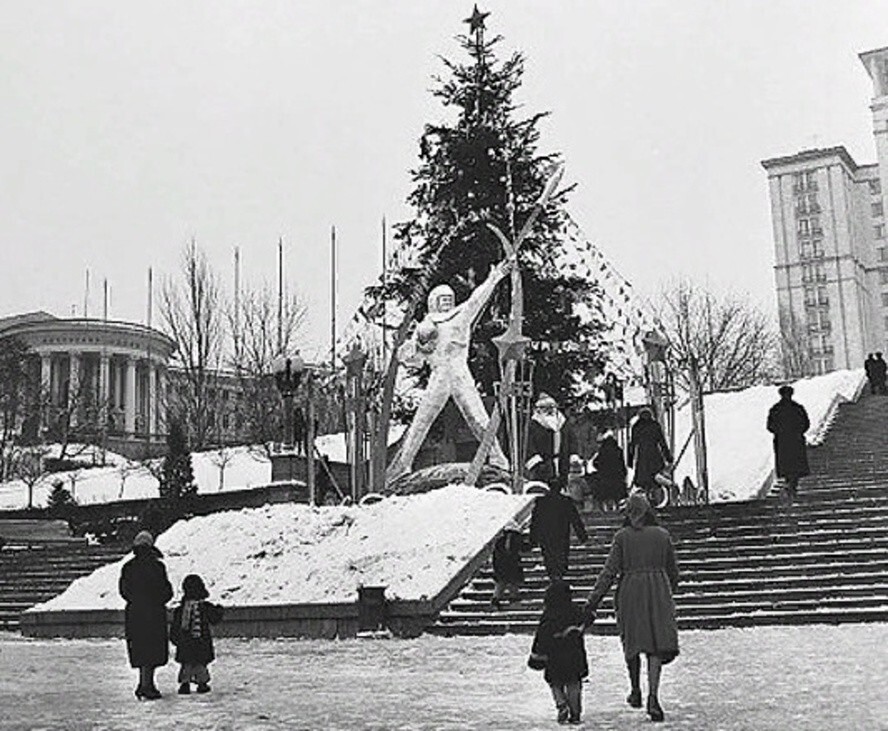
pixel 190 633
pixel 642 562
pixel 547 449
pixel 146 589
pixel 788 421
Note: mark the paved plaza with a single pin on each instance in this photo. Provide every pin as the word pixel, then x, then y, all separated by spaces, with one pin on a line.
pixel 814 677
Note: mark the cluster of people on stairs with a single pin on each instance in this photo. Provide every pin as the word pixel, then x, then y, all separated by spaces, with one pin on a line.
pixel 876 373
pixel 641 560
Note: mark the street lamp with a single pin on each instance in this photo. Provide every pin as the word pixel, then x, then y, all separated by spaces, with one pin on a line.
pixel 290 373
pixel 288 370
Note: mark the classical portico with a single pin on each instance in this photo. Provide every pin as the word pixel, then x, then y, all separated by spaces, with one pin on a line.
pixel 100 374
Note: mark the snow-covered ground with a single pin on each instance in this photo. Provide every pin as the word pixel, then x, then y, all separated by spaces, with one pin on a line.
pixel 290 553
pixel 244 468
pixel 763 679
pixel 739 448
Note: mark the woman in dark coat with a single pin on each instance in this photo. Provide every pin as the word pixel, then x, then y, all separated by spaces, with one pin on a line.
pixel 648 450
pixel 788 421
pixel 146 589
pixel 642 559
pixel 608 481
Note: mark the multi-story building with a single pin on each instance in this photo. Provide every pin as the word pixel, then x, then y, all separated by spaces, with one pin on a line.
pixel 831 250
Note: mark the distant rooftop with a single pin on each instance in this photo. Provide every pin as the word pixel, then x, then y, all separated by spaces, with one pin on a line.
pixel 13 320
pixel 812 154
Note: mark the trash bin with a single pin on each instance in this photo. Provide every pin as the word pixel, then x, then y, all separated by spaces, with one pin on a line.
pixel 371 608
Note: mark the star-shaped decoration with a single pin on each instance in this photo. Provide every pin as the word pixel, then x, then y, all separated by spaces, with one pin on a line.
pixel 476 21
pixel 512 345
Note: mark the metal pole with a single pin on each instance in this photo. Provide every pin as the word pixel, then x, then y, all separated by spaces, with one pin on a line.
pixel 699 427
pixel 333 297
pixel 310 430
pixel 280 332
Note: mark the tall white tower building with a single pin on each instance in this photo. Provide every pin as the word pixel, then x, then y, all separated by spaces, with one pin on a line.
pixel 830 246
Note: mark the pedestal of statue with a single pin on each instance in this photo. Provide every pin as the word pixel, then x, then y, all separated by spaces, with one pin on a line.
pixel 287 466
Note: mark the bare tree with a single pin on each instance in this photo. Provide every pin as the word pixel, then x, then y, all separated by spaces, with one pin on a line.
pixel 29 466
pixel 221 457
pixel 124 470
pixel 191 309
pixel 258 337
pixel 795 350
pixel 728 336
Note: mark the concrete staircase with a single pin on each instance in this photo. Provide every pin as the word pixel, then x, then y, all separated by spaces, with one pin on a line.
pixel 824 559
pixel 29 576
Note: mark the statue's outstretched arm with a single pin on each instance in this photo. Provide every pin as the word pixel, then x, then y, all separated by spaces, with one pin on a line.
pixel 481 294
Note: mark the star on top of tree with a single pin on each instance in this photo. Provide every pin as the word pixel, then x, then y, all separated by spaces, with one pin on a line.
pixel 476 21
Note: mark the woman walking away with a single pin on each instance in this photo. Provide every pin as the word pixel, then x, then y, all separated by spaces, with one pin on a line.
pixel 642 558
pixel 648 451
pixel 190 633
pixel 609 476
pixel 558 649
pixel 146 589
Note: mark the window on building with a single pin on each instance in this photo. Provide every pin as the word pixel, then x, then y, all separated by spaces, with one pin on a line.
pixel 883 276
pixel 804 227
pixel 879 230
pixel 882 253
pixel 878 209
pixel 817 246
pixel 875 186
pixel 810 296
pixel 884 299
pixel 815 227
pixel 805 180
pixel 807 273
pixel 819 273
pixel 822 297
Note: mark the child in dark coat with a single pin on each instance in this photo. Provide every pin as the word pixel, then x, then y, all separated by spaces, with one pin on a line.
pixel 190 633
pixel 558 649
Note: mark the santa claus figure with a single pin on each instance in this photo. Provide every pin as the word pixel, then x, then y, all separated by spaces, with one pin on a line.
pixel 547 448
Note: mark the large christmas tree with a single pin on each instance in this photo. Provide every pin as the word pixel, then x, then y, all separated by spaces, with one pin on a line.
pixel 484 167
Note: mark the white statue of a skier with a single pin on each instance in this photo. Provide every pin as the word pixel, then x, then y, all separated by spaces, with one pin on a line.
pixel 442 340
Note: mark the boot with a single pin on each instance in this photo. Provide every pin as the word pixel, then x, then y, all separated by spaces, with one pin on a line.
pixel 185 689
pixel 653 709
pixel 203 688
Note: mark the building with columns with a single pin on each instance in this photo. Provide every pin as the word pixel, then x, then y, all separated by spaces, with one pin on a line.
pixel 98 375
pixel 830 245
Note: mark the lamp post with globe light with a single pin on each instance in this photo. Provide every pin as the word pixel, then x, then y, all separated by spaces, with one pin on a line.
pixel 291 374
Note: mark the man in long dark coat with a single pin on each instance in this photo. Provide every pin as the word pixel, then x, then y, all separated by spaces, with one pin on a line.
pixel 553 516
pixel 788 421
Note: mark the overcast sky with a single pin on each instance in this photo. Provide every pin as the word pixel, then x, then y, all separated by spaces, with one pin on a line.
pixel 126 128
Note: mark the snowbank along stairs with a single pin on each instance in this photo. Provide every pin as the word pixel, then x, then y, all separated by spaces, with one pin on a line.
pixel 822 560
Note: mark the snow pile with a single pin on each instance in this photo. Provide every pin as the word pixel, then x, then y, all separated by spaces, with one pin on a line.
pixel 282 554
pixel 123 479
pixel 740 455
